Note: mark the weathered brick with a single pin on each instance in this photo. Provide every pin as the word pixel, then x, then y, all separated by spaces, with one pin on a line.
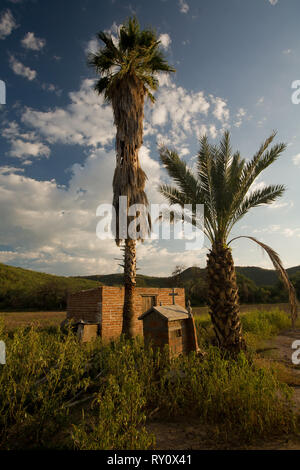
pixel 105 303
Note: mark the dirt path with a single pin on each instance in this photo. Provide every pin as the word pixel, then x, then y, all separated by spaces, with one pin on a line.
pixel 183 435
pixel 282 352
pixel 188 435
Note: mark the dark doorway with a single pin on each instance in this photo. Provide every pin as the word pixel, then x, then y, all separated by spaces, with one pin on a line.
pixel 148 302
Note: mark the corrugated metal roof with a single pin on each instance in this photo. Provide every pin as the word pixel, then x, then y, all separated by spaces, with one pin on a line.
pixel 169 312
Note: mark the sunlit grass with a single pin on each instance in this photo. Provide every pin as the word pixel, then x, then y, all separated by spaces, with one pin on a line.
pixel 46 370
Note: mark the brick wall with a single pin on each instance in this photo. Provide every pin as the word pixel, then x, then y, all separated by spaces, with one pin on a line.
pixel 85 305
pixel 108 302
pixel 159 332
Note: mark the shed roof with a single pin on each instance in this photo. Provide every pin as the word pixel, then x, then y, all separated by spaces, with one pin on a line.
pixel 169 312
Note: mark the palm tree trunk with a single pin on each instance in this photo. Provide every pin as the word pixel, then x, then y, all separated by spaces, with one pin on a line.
pixel 129 283
pixel 223 299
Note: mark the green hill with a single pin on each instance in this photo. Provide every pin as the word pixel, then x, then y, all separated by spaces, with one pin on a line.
pixel 256 285
pixel 23 289
pixel 261 277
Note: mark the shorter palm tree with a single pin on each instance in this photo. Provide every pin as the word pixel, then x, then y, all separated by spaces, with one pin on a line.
pixel 223 183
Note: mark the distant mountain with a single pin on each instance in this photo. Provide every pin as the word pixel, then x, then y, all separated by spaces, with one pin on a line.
pixel 24 289
pixel 261 276
pixel 117 280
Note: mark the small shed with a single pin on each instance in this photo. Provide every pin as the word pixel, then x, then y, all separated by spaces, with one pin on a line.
pixel 86 331
pixel 170 325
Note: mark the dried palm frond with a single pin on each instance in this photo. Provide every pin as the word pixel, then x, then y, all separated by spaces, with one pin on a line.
pixel 277 263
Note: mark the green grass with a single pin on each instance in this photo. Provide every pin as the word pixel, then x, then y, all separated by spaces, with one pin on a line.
pixel 258 325
pixel 46 370
pixel 265 324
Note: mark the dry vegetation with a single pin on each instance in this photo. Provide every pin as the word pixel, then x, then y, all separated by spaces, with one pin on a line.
pixel 13 320
pixel 133 399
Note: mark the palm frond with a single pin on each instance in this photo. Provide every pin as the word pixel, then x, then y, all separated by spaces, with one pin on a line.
pixel 180 173
pixel 277 263
pixel 135 53
pixel 266 195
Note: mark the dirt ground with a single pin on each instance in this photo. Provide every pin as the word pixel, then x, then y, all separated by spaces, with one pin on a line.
pixel 14 320
pixel 282 352
pixel 188 435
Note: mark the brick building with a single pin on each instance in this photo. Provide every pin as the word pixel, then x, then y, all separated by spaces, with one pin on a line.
pixel 172 326
pixel 104 305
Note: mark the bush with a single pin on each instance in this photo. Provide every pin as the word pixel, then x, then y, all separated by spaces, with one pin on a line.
pixel 265 323
pixel 120 418
pixel 241 398
pixel 45 371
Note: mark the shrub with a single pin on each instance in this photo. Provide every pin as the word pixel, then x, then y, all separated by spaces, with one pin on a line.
pixel 265 323
pixel 45 370
pixel 241 398
pixel 120 419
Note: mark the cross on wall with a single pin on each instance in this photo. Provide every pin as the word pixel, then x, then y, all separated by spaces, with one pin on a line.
pixel 173 294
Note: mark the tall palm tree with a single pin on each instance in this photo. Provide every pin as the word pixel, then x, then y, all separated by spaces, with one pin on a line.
pixel 222 182
pixel 128 73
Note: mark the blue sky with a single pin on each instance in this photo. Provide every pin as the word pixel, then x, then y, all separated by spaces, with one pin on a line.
pixel 235 63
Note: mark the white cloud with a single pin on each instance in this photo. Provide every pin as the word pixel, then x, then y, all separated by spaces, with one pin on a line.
pixel 291 232
pixel 30 41
pixel 24 145
pixel 176 115
pixel 21 149
pixel 221 112
pixel 183 6
pixel 280 205
pixel 53 226
pixel 21 69
pixel 296 159
pixel 273 2
pixel 177 111
pixel 239 116
pixel 92 46
pixel 213 131
pixel 287 51
pixel 7 24
pixel 114 31
pixel 52 88
pixel 85 121
pixel 165 40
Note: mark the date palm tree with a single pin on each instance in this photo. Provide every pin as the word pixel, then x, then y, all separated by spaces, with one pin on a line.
pixel 128 70
pixel 222 182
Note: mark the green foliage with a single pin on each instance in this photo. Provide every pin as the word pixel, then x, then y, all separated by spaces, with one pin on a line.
pixel 42 371
pixel 120 406
pixel 24 289
pixel 137 53
pixel 46 370
pixel 256 285
pixel 120 420
pixel 235 395
pixel 221 182
pixel 265 324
